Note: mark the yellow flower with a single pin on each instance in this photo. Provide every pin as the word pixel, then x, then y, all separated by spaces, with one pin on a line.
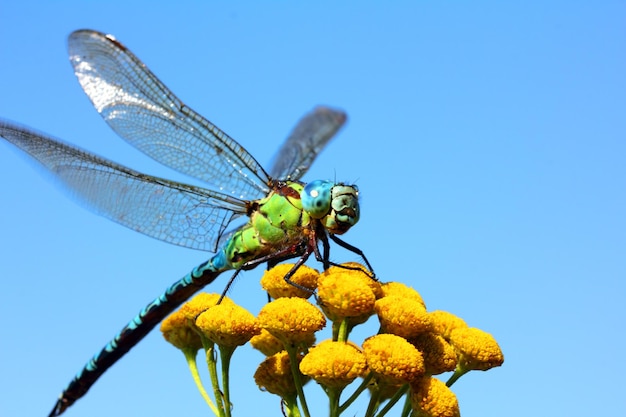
pixel 356 267
pixel 228 325
pixel 439 355
pixel 398 289
pixel 432 398
pixel 333 364
pixel 444 322
pixel 274 375
pixel 346 293
pixel 201 302
pixel 266 343
pixel 478 350
pixel 179 331
pixel 273 281
pixel 292 320
pixel 404 317
pixel 392 358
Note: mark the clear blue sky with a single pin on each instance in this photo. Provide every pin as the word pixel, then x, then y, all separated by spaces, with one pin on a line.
pixel 488 142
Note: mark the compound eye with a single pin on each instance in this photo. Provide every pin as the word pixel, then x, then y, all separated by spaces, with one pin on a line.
pixel 316 197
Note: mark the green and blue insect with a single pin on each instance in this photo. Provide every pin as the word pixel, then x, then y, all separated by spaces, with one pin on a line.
pixel 285 217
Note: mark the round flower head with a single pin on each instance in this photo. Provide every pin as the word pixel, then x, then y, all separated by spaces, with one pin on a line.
pixel 273 281
pixel 228 325
pixel 274 375
pixel 392 358
pixel 444 322
pixel 292 320
pixel 179 331
pixel 345 293
pixel 333 364
pixel 404 317
pixel 267 344
pixel 432 398
pixel 201 302
pixel 478 350
pixel 439 355
pixel 398 289
pixel 362 271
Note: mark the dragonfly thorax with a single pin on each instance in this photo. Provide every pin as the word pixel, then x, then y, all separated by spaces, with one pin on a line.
pixel 335 205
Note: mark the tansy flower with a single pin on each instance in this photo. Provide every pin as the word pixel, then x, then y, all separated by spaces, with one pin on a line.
pixel 266 343
pixel 444 322
pixel 404 317
pixel 228 325
pixel 439 355
pixel 201 302
pixel 432 398
pixel 478 350
pixel 333 364
pixel 292 320
pixel 274 375
pixel 346 293
pixel 392 358
pixel 179 331
pixel 273 281
pixel 373 283
pixel 398 289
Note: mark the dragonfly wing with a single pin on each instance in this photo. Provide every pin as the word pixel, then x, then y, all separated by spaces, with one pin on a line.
pixel 143 111
pixel 170 211
pixel 305 142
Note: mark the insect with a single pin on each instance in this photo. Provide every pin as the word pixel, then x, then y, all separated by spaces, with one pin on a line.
pixel 286 218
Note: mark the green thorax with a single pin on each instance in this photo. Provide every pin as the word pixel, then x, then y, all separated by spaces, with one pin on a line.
pixel 276 221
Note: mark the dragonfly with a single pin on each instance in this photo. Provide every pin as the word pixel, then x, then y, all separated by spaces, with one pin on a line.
pixel 282 217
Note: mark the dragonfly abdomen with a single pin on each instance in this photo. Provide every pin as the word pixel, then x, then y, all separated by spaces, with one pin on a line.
pixel 134 331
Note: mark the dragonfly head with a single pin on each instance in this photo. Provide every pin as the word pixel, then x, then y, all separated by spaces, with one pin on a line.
pixel 335 205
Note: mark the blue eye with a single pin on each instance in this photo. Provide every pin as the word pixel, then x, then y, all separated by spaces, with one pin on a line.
pixel 316 197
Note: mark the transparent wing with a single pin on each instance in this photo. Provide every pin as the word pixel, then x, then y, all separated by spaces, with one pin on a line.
pixel 305 142
pixel 170 211
pixel 143 111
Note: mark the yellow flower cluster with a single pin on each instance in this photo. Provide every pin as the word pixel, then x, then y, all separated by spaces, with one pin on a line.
pixel 179 331
pixel 277 287
pixel 477 349
pixel 274 375
pixel 393 359
pixel 228 325
pixel 432 398
pixel 412 346
pixel 334 364
pixel 292 320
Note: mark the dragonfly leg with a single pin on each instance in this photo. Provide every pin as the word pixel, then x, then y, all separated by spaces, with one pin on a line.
pixel 304 250
pixel 293 270
pixel 356 250
pixel 228 285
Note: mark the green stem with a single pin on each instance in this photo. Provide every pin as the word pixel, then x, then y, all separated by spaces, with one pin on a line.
pixel 393 400
pixel 335 330
pixel 333 397
pixel 190 356
pixel 211 360
pixel 226 353
pixel 458 373
pixel 291 405
pixel 295 371
pixel 408 407
pixel 362 387
pixel 373 404
pixel 342 335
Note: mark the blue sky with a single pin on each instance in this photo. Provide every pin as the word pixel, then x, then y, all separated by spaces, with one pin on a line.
pixel 487 142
